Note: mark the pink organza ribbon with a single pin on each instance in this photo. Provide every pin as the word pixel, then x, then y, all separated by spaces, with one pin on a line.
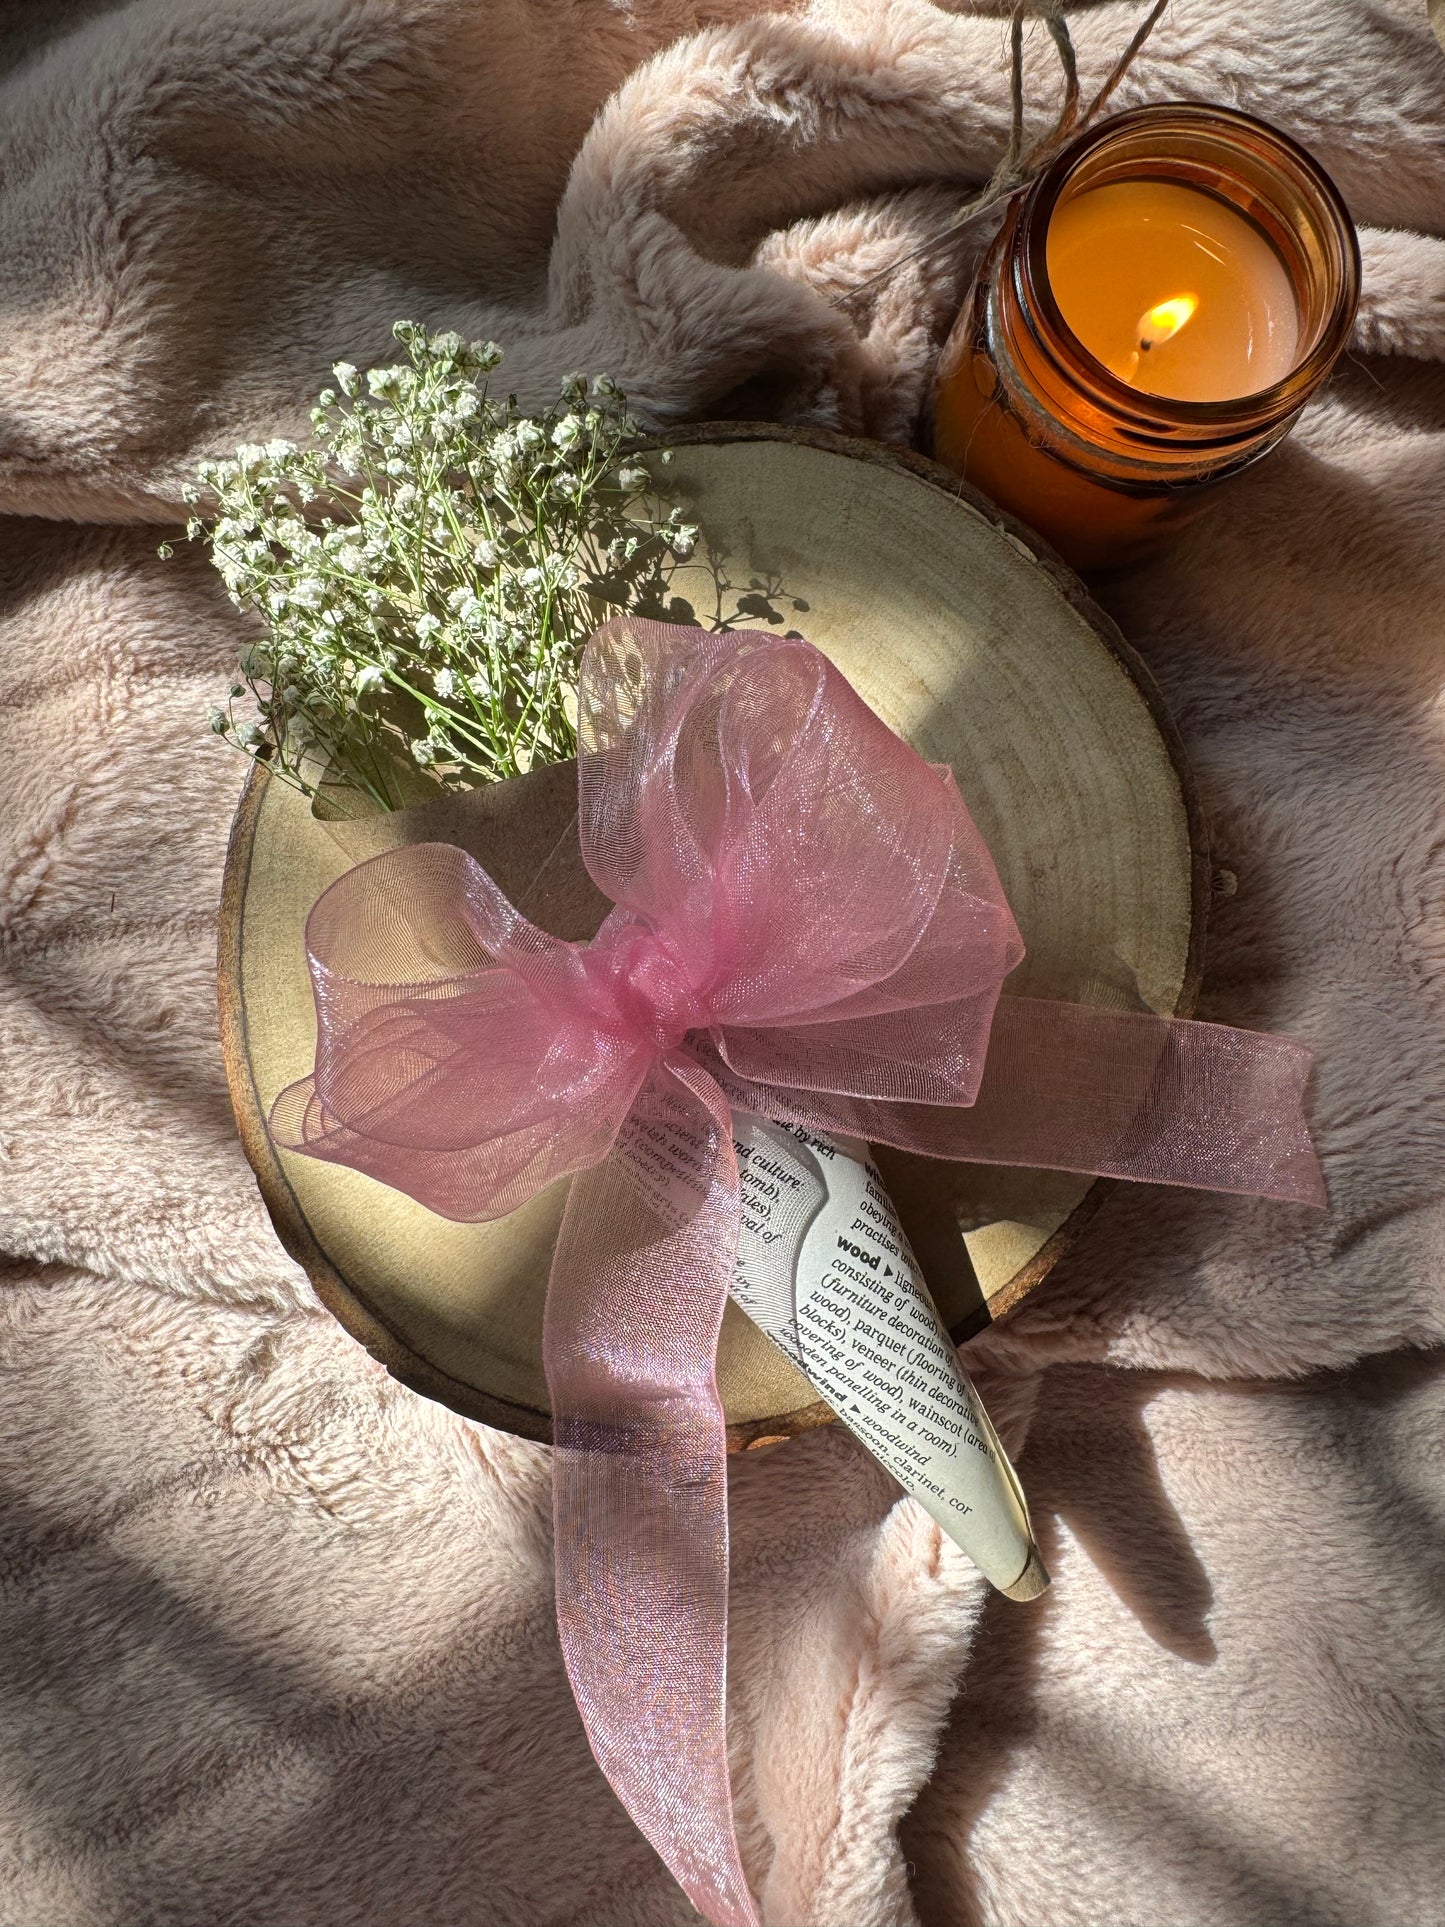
pixel 804 905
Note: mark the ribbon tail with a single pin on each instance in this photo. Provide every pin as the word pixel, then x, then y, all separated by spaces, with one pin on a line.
pixel 639 1280
pixel 1106 1093
pixel 1155 1099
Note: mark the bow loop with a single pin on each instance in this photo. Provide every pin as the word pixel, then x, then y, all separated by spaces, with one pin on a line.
pixel 458 1055
pixel 728 788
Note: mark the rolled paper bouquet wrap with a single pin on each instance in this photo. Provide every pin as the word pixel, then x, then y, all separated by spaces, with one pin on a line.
pixel 806 915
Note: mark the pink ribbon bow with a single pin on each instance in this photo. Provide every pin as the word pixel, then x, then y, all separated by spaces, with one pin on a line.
pixel 804 906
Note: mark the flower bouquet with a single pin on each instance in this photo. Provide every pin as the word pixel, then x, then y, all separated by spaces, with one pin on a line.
pixel 842 921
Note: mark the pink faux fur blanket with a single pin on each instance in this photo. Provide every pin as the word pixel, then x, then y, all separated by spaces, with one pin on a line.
pixel 278 1638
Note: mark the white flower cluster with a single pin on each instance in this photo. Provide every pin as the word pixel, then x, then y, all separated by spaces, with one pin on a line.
pixel 429 569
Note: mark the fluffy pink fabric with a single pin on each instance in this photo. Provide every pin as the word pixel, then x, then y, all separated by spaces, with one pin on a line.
pixel 279 1634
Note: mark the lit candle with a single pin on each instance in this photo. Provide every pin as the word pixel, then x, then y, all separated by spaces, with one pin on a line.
pixel 1151 318
pixel 1173 290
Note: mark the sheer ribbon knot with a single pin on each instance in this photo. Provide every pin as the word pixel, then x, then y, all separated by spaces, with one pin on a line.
pixel 806 915
pixel 645 985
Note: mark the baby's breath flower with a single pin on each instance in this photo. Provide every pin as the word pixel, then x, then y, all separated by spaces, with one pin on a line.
pixel 429 567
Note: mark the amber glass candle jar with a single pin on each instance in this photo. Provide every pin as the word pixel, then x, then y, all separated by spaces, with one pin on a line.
pixel 1152 317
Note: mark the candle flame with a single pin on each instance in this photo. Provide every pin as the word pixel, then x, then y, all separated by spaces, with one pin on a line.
pixel 1164 321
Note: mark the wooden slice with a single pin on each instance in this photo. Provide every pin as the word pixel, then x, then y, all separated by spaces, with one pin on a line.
pixel 972 642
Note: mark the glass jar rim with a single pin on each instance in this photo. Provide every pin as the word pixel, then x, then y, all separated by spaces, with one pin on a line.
pixel 1332 220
